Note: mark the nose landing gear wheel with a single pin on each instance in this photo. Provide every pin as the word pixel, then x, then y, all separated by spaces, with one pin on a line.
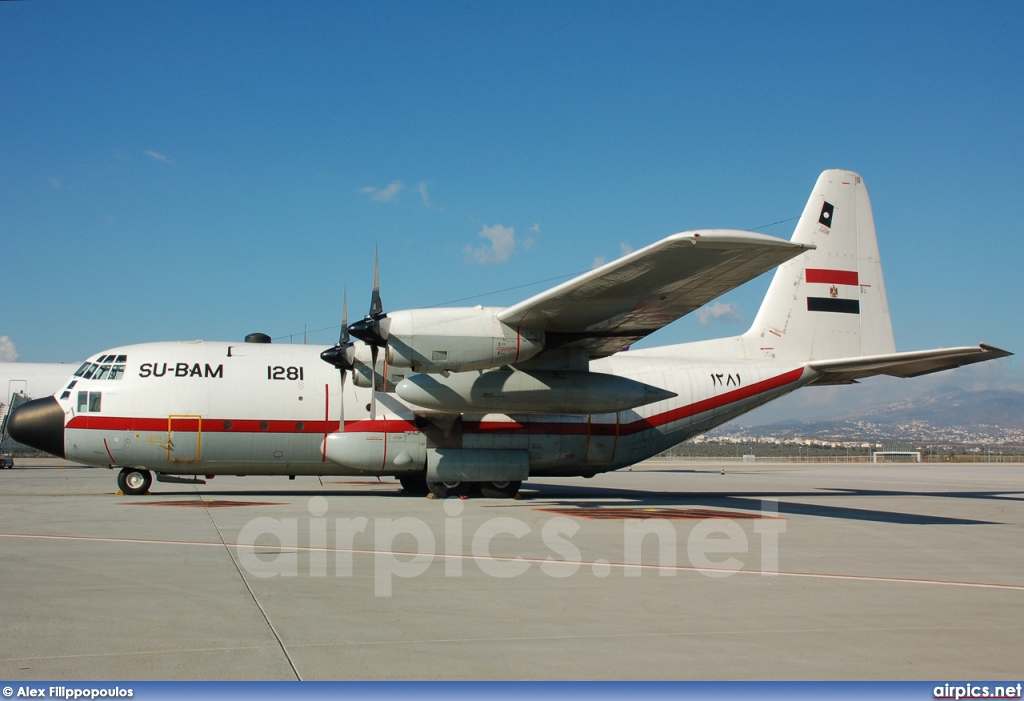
pixel 500 490
pixel 133 481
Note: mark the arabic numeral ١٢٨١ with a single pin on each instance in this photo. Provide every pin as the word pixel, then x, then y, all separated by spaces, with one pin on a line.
pixel 721 379
pixel 278 372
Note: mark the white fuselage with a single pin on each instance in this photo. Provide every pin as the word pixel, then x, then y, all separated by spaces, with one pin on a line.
pixel 32 379
pixel 214 408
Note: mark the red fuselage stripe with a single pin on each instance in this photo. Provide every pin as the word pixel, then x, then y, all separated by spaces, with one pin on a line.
pixel 113 423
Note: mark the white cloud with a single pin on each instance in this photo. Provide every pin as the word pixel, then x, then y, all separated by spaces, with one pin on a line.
pixel 502 244
pixel 163 158
pixel 424 195
pixel 8 350
pixel 719 311
pixel 624 250
pixel 54 182
pixel 535 229
pixel 386 194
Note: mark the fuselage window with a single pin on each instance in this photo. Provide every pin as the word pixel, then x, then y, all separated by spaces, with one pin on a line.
pixel 116 372
pixel 83 401
pixel 94 401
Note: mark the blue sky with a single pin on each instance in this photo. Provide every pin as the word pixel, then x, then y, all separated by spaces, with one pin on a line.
pixel 190 170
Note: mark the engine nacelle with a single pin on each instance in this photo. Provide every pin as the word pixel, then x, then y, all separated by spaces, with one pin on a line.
pixel 387 376
pixel 509 391
pixel 456 340
pixel 377 452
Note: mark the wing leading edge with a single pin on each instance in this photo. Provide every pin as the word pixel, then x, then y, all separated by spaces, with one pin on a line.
pixel 611 307
pixel 844 371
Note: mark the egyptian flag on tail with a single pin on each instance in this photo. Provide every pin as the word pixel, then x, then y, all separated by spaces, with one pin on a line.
pixel 838 288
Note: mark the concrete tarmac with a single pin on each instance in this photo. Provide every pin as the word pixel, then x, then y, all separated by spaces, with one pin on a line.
pixel 777 571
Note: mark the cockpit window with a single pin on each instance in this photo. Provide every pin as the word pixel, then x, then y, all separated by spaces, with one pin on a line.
pixel 104 371
pixel 94 401
pixel 83 401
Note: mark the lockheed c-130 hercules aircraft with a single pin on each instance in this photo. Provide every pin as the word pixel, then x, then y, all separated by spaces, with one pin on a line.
pixel 449 400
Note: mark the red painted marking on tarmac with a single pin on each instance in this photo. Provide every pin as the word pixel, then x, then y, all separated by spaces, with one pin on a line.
pixel 202 503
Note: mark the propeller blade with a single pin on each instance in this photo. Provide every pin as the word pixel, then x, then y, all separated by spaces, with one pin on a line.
pixel 344 341
pixel 341 355
pixel 376 306
pixel 341 403
pixel 344 315
pixel 368 329
pixel 373 383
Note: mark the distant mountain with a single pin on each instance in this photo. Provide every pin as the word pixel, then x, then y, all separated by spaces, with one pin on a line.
pixel 948 407
pixel 943 414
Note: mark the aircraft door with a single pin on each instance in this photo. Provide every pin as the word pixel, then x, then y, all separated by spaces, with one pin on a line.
pixel 16 387
pixel 184 437
pixel 602 439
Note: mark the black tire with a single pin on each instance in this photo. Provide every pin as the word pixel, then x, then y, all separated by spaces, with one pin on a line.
pixel 500 490
pixel 443 490
pixel 414 484
pixel 133 481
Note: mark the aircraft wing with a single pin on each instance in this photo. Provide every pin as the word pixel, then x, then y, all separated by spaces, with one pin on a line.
pixel 845 371
pixel 615 305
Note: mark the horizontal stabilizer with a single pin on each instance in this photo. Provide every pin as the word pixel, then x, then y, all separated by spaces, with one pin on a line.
pixel 844 371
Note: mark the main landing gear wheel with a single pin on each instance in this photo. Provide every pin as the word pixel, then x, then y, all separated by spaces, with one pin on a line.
pixel 443 490
pixel 133 481
pixel 500 490
pixel 415 484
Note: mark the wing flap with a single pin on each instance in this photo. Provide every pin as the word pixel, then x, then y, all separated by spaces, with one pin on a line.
pixel 611 307
pixel 846 371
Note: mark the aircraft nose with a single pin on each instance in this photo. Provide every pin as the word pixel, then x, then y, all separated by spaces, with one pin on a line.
pixel 39 424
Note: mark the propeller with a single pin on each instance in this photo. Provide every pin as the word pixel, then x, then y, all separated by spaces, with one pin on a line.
pixel 342 354
pixel 370 331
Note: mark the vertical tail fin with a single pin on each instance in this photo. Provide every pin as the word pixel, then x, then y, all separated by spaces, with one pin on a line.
pixel 829 302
